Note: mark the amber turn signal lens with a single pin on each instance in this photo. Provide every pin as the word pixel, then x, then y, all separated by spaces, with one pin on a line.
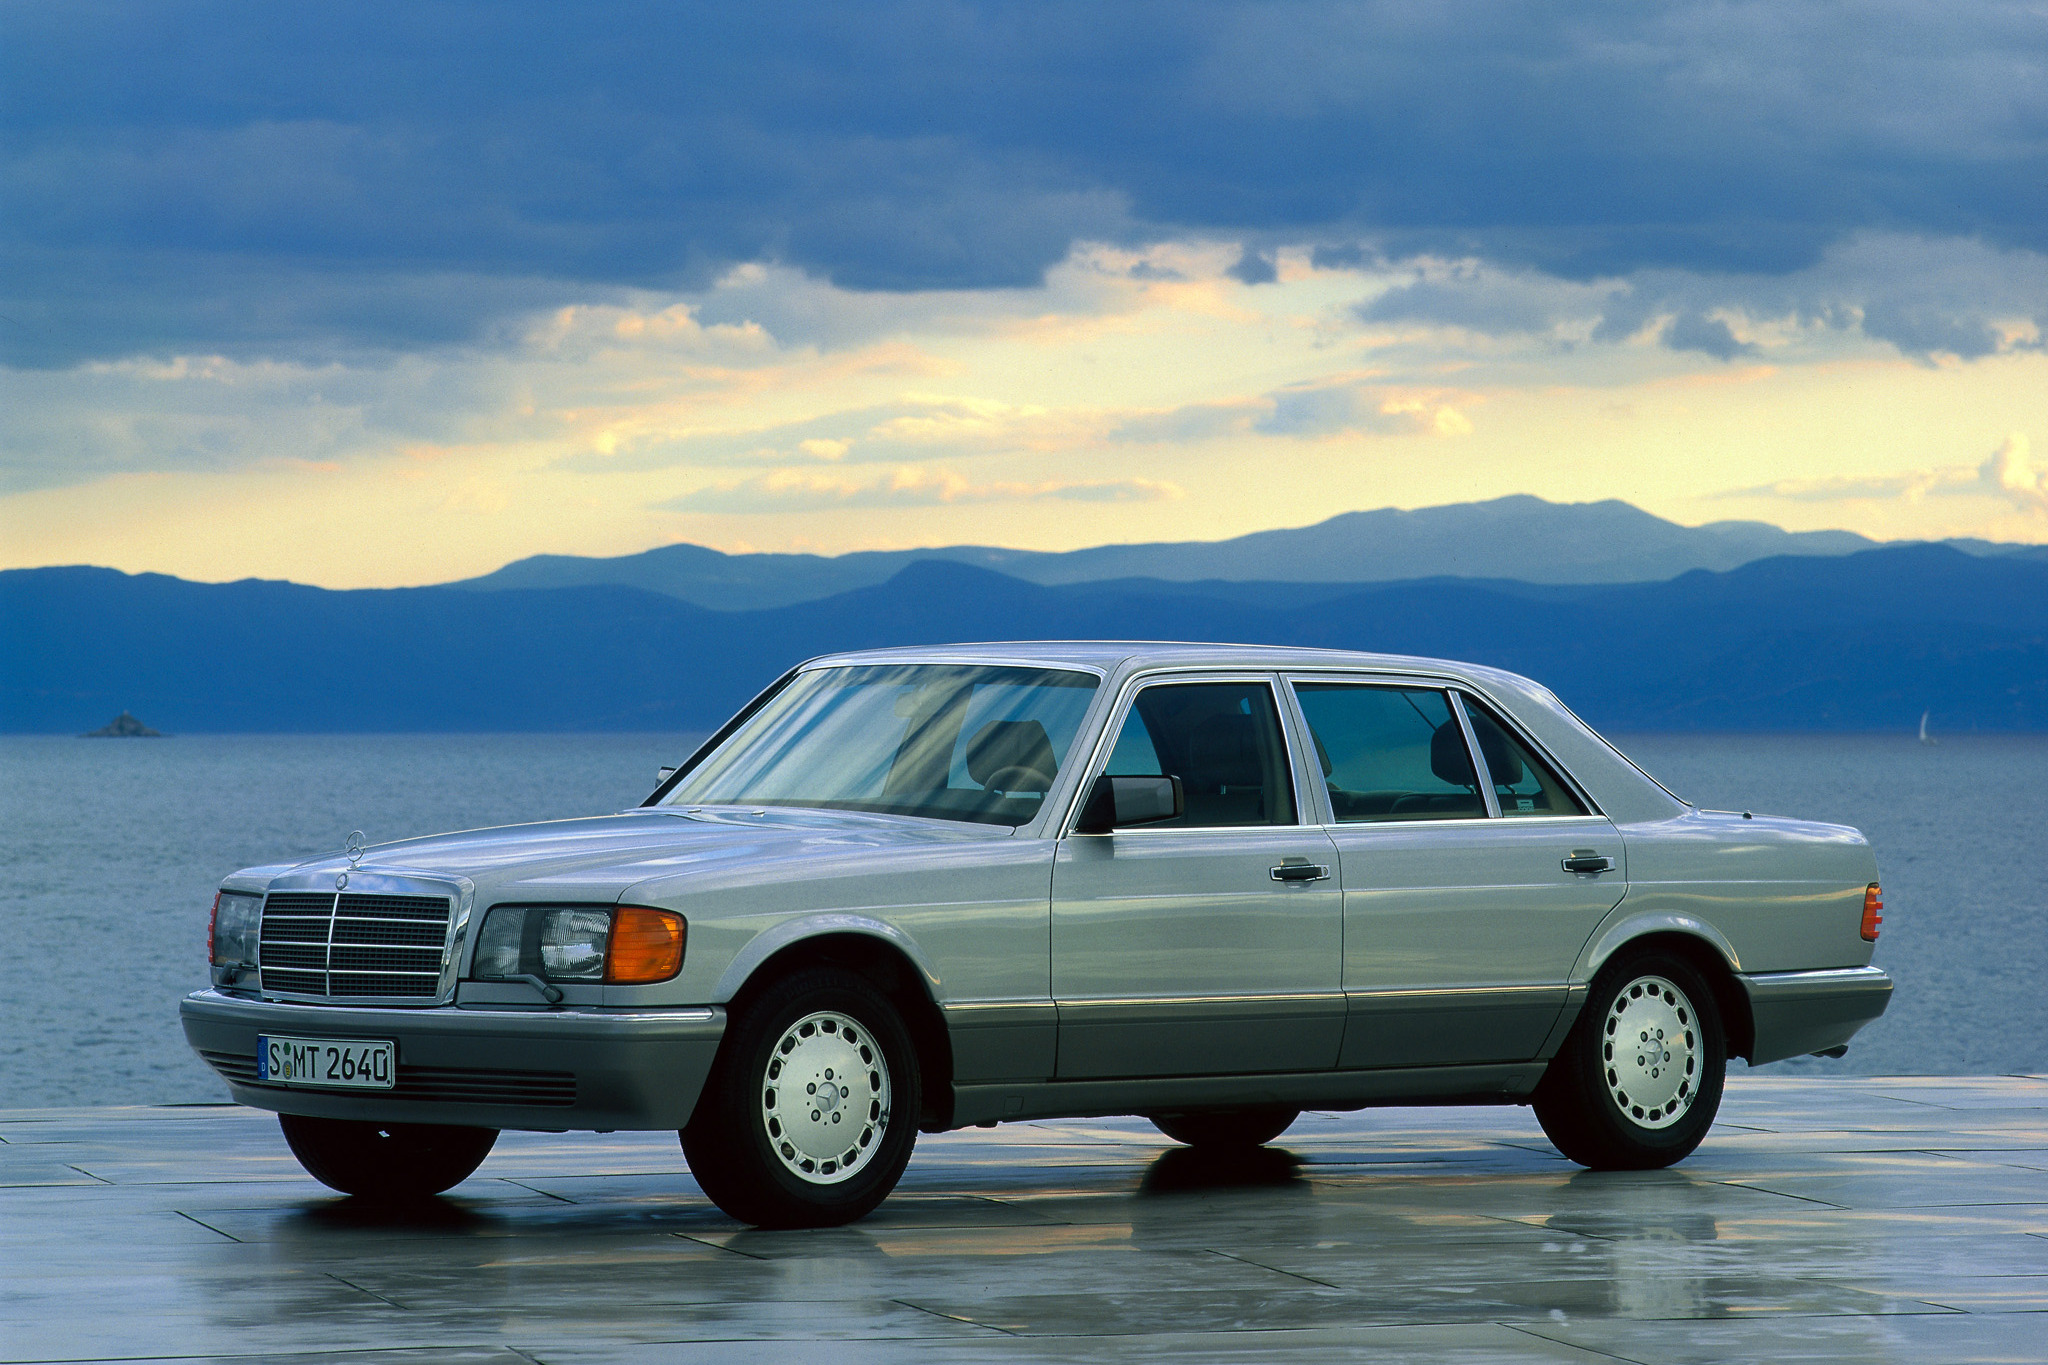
pixel 1873 902
pixel 646 945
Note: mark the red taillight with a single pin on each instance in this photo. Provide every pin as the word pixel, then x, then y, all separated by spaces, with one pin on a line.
pixel 212 918
pixel 1873 902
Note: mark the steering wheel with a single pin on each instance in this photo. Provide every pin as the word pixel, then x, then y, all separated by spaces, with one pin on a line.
pixel 1018 778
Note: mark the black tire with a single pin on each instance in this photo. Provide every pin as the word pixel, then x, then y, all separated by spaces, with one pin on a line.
pixel 765 1162
pixel 1585 1101
pixel 1213 1129
pixel 386 1161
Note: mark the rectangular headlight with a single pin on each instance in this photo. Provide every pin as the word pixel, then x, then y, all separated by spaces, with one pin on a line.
pixel 237 920
pixel 572 944
pixel 500 947
pixel 578 943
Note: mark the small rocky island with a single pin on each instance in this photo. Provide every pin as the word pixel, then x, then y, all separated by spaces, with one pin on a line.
pixel 123 726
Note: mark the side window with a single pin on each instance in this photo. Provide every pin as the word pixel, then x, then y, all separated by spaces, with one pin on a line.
pixel 1523 783
pixel 1391 753
pixel 1222 740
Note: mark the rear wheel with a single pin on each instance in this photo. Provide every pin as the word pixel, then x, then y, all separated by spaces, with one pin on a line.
pixel 810 1113
pixel 1219 1128
pixel 386 1160
pixel 1638 1080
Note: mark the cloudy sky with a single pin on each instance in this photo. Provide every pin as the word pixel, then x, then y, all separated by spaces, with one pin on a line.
pixel 386 293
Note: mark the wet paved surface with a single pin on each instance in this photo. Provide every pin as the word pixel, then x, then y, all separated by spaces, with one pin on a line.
pixel 1824 1220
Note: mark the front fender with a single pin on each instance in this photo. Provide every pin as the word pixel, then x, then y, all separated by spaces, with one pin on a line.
pixel 769 942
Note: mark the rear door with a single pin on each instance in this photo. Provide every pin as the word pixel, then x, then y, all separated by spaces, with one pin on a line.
pixel 1457 842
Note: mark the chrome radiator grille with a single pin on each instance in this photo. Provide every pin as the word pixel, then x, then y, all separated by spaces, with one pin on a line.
pixel 348 944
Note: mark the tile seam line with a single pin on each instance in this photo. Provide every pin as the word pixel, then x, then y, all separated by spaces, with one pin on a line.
pixel 545 1194
pixel 343 1279
pixel 1570 1345
pixel 1292 1274
pixel 730 1251
pixel 1802 1198
pixel 948 1317
pixel 211 1228
pixel 1512 1220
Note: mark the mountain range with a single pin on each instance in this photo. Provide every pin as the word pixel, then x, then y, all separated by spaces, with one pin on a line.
pixel 1858 641
pixel 1522 538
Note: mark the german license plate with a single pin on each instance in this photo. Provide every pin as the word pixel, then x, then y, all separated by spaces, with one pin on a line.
pixel 330 1063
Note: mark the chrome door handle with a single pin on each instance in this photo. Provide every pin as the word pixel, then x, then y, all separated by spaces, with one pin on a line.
pixel 1300 872
pixel 1585 860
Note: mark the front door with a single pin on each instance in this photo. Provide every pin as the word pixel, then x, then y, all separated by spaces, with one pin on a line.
pixel 1192 947
pixel 1461 918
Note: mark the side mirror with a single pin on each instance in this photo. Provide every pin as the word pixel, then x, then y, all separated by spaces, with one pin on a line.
pixel 1114 802
pixel 664 775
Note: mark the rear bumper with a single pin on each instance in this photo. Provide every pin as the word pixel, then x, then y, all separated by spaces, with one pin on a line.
pixel 1796 1013
pixel 546 1070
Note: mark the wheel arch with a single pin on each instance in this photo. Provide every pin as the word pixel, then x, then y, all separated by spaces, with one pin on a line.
pixel 1701 946
pixel 886 964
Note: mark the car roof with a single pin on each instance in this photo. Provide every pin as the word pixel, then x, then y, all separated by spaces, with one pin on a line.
pixel 1111 656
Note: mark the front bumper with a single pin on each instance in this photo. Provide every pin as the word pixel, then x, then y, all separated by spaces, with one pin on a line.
pixel 1796 1013
pixel 545 1070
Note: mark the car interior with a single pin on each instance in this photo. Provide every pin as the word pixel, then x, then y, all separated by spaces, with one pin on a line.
pixel 1222 740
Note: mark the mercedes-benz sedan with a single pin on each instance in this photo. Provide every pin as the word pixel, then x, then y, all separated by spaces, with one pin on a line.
pixel 922 889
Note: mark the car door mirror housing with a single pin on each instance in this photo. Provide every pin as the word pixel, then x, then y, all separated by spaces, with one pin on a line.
pixel 1114 802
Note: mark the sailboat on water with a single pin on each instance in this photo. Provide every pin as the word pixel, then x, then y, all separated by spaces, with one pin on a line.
pixel 1926 738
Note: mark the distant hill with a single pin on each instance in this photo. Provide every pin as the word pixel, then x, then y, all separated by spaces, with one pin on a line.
pixel 1522 538
pixel 1863 641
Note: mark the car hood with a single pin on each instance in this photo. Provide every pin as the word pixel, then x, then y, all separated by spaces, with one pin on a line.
pixel 599 856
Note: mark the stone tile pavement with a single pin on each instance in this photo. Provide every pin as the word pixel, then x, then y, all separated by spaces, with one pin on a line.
pixel 1824 1220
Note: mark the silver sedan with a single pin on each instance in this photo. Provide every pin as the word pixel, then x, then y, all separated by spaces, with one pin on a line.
pixel 924 889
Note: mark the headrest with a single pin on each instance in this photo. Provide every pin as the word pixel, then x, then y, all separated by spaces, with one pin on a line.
pixel 1503 764
pixel 1004 744
pixel 1322 754
pixel 1448 758
pixel 1224 752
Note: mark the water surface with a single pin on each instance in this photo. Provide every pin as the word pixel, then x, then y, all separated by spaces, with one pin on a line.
pixel 113 849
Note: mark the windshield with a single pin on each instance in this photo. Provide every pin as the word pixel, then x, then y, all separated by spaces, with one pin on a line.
pixel 947 741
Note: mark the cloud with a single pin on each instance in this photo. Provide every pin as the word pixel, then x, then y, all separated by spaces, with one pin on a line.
pixel 315 179
pixel 1347 409
pixel 1188 425
pixel 792 490
pixel 2010 473
pixel 2007 475
pixel 915 427
pixel 1254 268
pixel 1310 410
pixel 1471 295
pixel 212 414
pixel 1924 297
pixel 1699 332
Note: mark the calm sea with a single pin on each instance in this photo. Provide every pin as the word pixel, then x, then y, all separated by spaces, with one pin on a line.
pixel 112 849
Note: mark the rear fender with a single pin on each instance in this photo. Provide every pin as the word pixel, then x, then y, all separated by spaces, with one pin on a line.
pixel 1613 937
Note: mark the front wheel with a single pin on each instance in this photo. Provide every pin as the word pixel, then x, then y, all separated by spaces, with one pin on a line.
pixel 810 1112
pixel 386 1160
pixel 1214 1129
pixel 1638 1080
